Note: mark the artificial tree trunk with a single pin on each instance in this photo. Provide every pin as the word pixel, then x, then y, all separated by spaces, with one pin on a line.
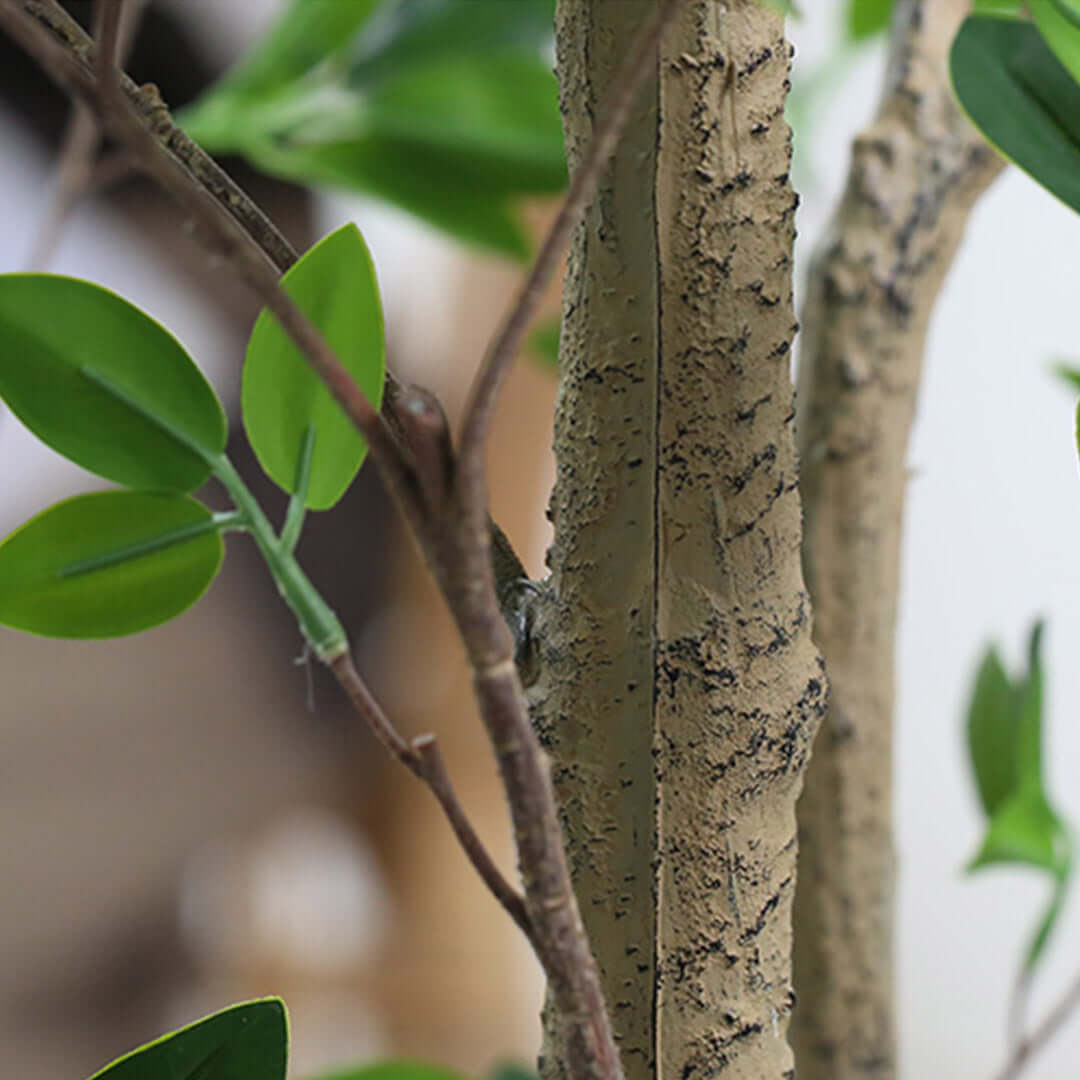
pixel 679 688
pixel 916 171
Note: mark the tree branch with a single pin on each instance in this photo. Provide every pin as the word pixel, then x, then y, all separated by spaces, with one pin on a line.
pixel 915 173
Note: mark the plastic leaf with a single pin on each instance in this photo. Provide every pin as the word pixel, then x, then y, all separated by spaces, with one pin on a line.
pixel 1060 26
pixel 1024 831
pixel 865 18
pixel 991 731
pixel 307 34
pixel 334 284
pixel 108 564
pixel 104 384
pixel 243 1042
pixel 1018 94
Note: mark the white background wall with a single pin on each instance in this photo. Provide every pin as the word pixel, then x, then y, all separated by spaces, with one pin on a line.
pixel 993 538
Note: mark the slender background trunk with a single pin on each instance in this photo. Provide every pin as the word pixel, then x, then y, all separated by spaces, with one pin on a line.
pixel 680 688
pixel 915 173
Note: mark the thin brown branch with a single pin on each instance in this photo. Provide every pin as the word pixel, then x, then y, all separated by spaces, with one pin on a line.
pixel 108 19
pixel 1028 1047
pixel 631 76
pixel 423 759
pixel 76 172
pixel 432 769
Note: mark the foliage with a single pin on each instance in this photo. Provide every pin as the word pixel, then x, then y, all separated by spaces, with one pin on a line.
pixel 113 391
pixel 1005 740
pixel 447 110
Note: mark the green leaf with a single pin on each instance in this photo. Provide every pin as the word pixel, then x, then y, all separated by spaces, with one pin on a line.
pixel 1060 26
pixel 991 730
pixel 447 110
pixel 865 18
pixel 108 564
pixel 308 33
pixel 1009 9
pixel 334 284
pixel 104 384
pixel 392 1070
pixel 512 1072
pixel 1029 693
pixel 544 343
pixel 243 1042
pixel 1068 373
pixel 1018 94
pixel 1024 831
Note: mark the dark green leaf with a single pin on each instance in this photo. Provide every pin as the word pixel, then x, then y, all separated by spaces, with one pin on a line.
pixel 1024 831
pixel 1029 718
pixel 334 284
pixel 1060 26
pixel 104 384
pixel 512 1072
pixel 1018 94
pixel 392 1070
pixel 865 18
pixel 108 564
pixel 991 731
pixel 244 1042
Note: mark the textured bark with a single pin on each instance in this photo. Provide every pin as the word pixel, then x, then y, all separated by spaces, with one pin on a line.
pixel 915 173
pixel 680 689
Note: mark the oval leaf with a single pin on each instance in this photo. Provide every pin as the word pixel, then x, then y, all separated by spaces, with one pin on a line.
pixel 104 384
pixel 334 284
pixel 1017 93
pixel 992 734
pixel 108 564
pixel 243 1042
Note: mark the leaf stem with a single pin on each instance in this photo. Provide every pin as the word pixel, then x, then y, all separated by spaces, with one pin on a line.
pixel 320 626
pixel 294 516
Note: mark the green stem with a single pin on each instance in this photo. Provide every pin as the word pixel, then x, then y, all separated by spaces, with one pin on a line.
pixel 294 516
pixel 319 625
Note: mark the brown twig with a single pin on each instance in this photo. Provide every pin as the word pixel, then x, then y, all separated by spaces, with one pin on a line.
pixel 108 18
pixel 423 759
pixel 76 171
pixel 1027 1047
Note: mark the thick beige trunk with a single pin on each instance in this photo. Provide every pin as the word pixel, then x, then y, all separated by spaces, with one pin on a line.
pixel 915 173
pixel 680 688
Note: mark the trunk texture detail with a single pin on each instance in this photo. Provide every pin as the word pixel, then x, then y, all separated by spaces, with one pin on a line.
pixel 915 173
pixel 680 688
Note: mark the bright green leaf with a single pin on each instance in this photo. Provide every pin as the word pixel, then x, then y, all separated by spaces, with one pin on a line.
pixel 1026 104
pixel 1011 9
pixel 334 284
pixel 104 384
pixel 1060 26
pixel 108 564
pixel 393 1070
pixel 865 18
pixel 1024 831
pixel 991 731
pixel 243 1042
